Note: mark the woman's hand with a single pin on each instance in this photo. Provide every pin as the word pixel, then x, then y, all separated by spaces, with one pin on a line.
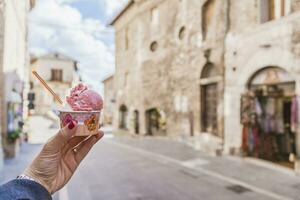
pixel 60 157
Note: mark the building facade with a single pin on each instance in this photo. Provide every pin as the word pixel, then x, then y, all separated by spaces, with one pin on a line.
pixel 167 63
pixel 61 74
pixel 14 63
pixel 262 80
pixel 221 73
pixel 109 99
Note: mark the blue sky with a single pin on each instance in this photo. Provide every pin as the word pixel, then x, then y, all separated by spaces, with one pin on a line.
pixel 76 28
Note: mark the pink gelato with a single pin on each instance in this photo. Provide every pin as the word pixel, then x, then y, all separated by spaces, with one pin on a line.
pixel 83 99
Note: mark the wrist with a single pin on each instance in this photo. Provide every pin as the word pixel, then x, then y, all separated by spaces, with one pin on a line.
pixel 29 176
pixel 23 176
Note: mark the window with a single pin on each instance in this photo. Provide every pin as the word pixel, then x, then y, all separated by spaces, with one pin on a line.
pixel 181 33
pixel 126 39
pixel 274 9
pixel 207 16
pixel 56 75
pixel 153 46
pixel 31 85
pixel 155 16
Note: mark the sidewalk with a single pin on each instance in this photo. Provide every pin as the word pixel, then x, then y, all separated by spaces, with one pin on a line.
pixel 15 166
pixel 238 171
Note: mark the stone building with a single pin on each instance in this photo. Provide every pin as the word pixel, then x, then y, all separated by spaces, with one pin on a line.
pixel 61 74
pixel 223 74
pixel 167 63
pixel 109 99
pixel 262 67
pixel 14 60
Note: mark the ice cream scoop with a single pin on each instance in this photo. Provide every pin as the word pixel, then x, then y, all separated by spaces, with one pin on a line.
pixel 83 99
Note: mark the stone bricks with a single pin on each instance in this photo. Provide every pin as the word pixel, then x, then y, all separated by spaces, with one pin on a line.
pixel 237 43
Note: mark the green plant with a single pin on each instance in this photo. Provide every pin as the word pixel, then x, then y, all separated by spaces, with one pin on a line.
pixel 13 135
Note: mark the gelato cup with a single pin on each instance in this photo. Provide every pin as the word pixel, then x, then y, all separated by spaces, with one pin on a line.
pixel 88 121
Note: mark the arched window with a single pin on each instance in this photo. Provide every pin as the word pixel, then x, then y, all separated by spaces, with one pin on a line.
pixel 208 11
pixel 209 71
pixel 269 76
pixel 123 112
pixel 209 99
pixel 272 80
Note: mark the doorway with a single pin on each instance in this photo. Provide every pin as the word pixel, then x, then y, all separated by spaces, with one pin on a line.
pixel 123 112
pixel 209 91
pixel 268 117
pixel 155 122
pixel 136 122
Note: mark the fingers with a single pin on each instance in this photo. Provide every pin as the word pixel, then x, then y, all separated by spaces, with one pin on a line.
pixel 86 146
pixel 63 136
pixel 73 142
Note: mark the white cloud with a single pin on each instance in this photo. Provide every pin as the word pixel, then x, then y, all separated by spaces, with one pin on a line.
pixel 56 26
pixel 113 5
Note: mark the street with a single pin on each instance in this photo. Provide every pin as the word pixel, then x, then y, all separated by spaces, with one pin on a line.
pixel 158 168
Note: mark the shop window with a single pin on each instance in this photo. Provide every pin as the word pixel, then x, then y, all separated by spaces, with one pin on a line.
pixel 153 46
pixel 209 100
pixel 56 75
pixel 208 11
pixel 274 9
pixel 123 112
pixel 181 33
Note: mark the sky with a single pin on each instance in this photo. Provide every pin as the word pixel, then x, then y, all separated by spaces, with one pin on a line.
pixel 78 29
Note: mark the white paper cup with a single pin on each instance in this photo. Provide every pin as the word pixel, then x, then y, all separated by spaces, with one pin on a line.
pixel 88 121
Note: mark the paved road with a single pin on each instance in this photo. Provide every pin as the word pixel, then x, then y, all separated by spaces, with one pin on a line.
pixel 135 169
pixel 124 168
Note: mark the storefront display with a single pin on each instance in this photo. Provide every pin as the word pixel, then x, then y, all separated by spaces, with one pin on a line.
pixel 269 115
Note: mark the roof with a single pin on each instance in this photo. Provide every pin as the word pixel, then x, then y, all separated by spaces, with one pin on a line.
pixel 57 56
pixel 107 78
pixel 127 6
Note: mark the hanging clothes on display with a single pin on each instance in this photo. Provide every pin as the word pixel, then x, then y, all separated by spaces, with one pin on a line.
pixel 294 114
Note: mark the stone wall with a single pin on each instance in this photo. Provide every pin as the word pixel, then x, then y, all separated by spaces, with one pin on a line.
pixel 168 77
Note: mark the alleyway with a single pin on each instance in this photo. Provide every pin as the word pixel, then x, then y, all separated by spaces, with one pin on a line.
pixel 161 169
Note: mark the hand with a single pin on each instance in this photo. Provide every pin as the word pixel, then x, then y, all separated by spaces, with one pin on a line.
pixel 60 157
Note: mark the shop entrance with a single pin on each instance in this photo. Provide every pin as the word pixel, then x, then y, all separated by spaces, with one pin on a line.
pixel 269 117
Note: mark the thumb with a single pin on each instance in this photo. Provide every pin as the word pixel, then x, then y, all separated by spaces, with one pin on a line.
pixel 64 135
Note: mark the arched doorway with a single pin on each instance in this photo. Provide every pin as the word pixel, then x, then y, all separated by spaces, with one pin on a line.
pixel 269 116
pixel 155 122
pixel 123 112
pixel 136 122
pixel 209 99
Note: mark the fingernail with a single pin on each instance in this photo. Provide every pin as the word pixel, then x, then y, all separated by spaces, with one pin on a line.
pixel 71 125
